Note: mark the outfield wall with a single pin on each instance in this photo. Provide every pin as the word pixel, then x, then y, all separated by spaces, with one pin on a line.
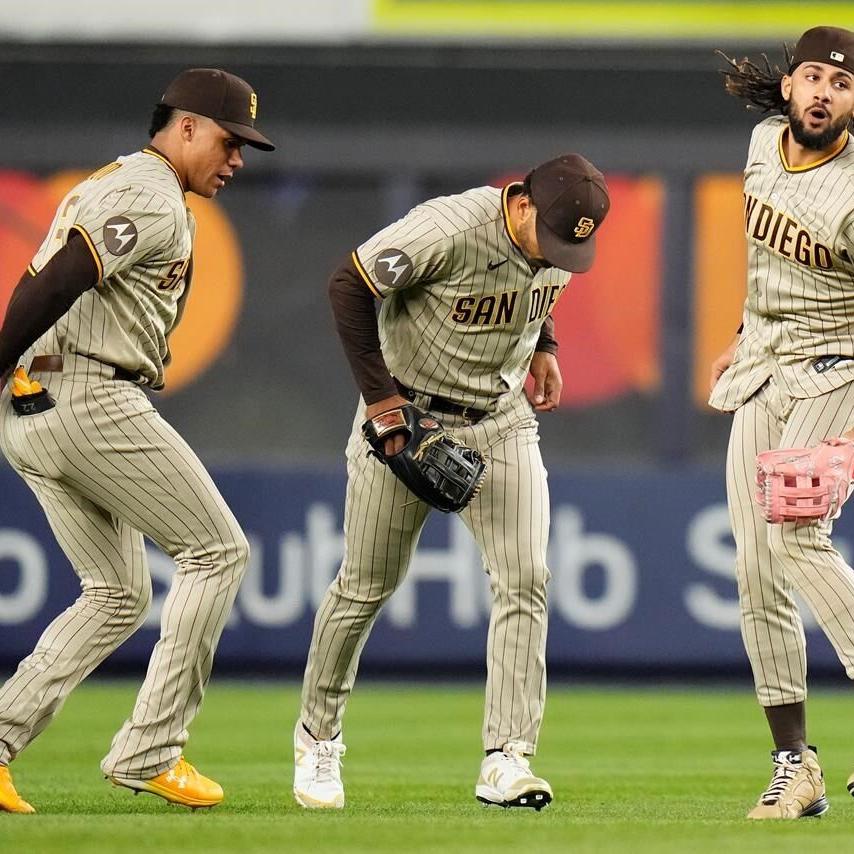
pixel 641 564
pixel 364 131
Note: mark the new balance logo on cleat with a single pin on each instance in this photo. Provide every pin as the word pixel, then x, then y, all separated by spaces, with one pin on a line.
pixel 506 780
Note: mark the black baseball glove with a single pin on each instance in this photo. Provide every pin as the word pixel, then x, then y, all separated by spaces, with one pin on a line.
pixel 432 464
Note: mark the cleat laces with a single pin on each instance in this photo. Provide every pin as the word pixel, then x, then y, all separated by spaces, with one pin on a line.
pixel 515 761
pixel 182 774
pixel 327 761
pixel 519 763
pixel 786 766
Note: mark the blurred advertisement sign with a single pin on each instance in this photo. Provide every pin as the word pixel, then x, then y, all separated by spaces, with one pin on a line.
pixel 254 21
pixel 606 20
pixel 720 277
pixel 635 582
pixel 608 322
pixel 331 21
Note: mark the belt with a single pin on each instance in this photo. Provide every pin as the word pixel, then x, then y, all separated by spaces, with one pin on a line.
pixel 48 364
pixel 53 364
pixel 442 404
pixel 824 363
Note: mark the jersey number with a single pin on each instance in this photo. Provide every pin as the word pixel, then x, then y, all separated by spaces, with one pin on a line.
pixel 175 276
pixel 68 213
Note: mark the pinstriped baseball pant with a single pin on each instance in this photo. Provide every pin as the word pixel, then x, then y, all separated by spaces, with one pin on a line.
pixel 107 469
pixel 772 561
pixel 509 519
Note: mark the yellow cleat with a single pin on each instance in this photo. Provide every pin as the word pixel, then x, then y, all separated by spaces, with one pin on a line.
pixel 10 800
pixel 181 785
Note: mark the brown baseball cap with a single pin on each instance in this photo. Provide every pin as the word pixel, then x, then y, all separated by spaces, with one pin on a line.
pixel 226 98
pixel 831 45
pixel 571 198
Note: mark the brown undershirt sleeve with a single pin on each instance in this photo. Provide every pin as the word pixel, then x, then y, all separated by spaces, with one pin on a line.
pixel 356 321
pixel 39 300
pixel 547 343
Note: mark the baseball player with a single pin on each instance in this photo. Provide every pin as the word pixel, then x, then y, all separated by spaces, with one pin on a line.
pixel 467 285
pixel 787 377
pixel 88 326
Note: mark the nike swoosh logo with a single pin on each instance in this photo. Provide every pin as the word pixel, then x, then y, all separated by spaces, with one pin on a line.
pixel 494 265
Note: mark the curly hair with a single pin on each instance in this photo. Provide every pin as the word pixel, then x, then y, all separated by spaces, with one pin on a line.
pixel 759 85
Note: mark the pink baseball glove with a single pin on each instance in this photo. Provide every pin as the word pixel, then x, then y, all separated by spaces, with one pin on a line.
pixel 800 484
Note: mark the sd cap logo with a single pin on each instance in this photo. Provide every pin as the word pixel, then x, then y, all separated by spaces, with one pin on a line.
pixel 584 227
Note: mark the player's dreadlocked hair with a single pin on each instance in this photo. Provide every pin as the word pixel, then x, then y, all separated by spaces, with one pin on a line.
pixel 759 85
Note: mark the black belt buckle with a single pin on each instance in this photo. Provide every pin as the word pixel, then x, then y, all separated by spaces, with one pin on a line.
pixel 33 404
pixel 472 415
pixel 436 403
pixel 449 407
pixel 825 363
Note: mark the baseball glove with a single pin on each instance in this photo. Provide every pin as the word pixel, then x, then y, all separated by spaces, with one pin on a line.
pixel 432 464
pixel 801 484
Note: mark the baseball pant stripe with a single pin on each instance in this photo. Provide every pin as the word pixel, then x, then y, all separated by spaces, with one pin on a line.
pixel 770 624
pixel 516 564
pixel 381 529
pixel 383 520
pixel 775 559
pixel 167 495
pixel 107 612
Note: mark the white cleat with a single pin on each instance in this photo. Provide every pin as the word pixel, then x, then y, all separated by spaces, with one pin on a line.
pixel 317 771
pixel 506 780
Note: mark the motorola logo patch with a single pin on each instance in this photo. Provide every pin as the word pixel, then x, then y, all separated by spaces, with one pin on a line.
pixel 393 268
pixel 120 235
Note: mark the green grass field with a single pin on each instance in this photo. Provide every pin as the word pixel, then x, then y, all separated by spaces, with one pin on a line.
pixel 656 770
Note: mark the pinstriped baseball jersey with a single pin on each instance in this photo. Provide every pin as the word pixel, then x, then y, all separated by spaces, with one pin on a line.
pixel 134 218
pixel 800 307
pixel 107 469
pixel 468 330
pixel 461 316
pixel 800 297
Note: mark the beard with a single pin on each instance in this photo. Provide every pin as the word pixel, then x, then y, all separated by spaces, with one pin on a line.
pixel 821 140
